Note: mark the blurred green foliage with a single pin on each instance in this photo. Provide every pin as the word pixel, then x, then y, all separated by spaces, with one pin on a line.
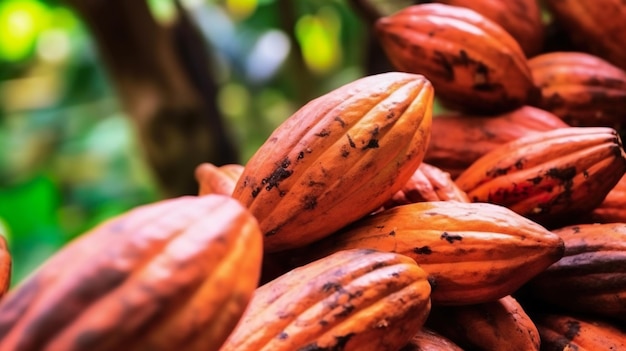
pixel 69 157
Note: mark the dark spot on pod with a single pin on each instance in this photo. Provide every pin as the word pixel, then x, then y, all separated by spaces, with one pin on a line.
pixel 392 233
pixel 309 201
pixel 256 191
pixel 340 344
pixel 463 58
pixel 323 133
pixel 300 155
pixel 375 131
pixel 344 151
pixel 395 274
pixel 391 115
pixel 350 141
pixel 451 238
pixel 573 328
pixel 585 174
pixel 378 265
pixel 380 226
pixel 562 174
pixel 272 232
pixel 280 173
pixel 323 322
pixel 536 180
pixel 424 250
pixel 331 286
pixel 495 172
pixel 342 123
pixel 346 309
pixel 371 144
pixel 447 71
pixel 576 229
pixel 519 164
pixel 282 193
pixel 283 336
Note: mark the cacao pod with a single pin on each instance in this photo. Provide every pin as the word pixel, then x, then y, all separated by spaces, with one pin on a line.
pixel 472 62
pixel 582 89
pixel 550 177
pixel 473 252
pixel 561 332
pixel 176 274
pixel 457 140
pixel 428 183
pixel 217 180
pixel 358 144
pixel 351 300
pixel 595 26
pixel 520 18
pixel 591 276
pixel 495 325
pixel 428 340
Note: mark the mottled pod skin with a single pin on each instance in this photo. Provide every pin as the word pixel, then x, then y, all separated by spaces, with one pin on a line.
pixel 551 177
pixel 473 252
pixel 472 62
pixel 562 332
pixel 501 324
pixel 429 340
pixel 582 89
pixel 5 266
pixel 338 158
pixel 428 183
pixel 595 26
pixel 214 179
pixel 520 18
pixel 172 275
pixel 360 300
pixel 591 276
pixel 457 140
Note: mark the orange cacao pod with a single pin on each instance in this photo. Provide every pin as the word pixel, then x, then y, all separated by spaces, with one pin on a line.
pixel 560 332
pixel 5 266
pixel 582 89
pixel 358 144
pixel 214 179
pixel 428 340
pixel 596 26
pixel 520 18
pixel 591 276
pixel 457 140
pixel 472 62
pixel 494 325
pixel 159 277
pixel 351 300
pixel 550 177
pixel 428 183
pixel 473 252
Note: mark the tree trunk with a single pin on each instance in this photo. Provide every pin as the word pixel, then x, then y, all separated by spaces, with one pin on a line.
pixel 162 76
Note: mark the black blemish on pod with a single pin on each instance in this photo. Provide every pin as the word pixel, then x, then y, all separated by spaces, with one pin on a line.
pixel 371 144
pixel 424 250
pixel 350 141
pixel 280 173
pixel 451 238
pixel 323 133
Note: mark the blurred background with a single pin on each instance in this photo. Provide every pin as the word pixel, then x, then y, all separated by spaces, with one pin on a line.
pixel 106 105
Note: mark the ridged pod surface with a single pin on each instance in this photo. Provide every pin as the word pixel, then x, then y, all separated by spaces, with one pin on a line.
pixel 613 207
pixel 520 18
pixel 214 179
pixel 175 274
pixel 561 332
pixel 351 300
pixel 5 266
pixel 428 183
pixel 428 340
pixel 550 177
pixel 338 158
pixel 473 252
pixel 582 89
pixel 457 140
pixel 473 63
pixel 501 324
pixel 591 276
pixel 595 26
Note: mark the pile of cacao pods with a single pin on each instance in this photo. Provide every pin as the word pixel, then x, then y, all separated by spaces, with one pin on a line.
pixel 366 223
